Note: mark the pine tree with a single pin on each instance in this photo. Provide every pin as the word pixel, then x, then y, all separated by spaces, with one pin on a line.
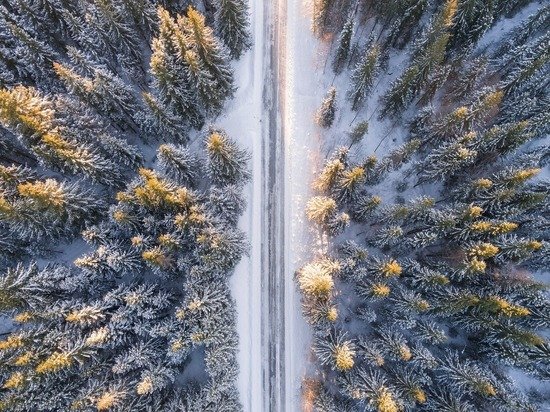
pixel 448 160
pixel 473 19
pixel 219 249
pixel 371 387
pixel 159 121
pixel 344 46
pixel 179 163
pixel 350 183
pixel 32 118
pixel 524 61
pixel 326 113
pixel 530 28
pixel 316 279
pixel 227 203
pixel 232 25
pixel 365 206
pixel 320 209
pixel 331 173
pixel 320 12
pixel 226 162
pixel 404 27
pixel 363 76
pixel 34 57
pixel 68 106
pixel 27 287
pixel 170 80
pixel 334 350
pixel 107 93
pixel 466 376
pixel 211 54
pixel 118 33
pixel 359 131
pixel 468 81
pixel 429 52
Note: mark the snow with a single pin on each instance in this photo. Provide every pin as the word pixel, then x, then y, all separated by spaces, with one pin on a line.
pixel 242 120
pixel 302 94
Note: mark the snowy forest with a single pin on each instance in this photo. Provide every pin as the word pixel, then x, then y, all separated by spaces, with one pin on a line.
pixel 274 205
pixel 429 292
pixel 119 199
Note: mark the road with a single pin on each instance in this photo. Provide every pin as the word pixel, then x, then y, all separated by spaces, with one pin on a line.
pixel 291 146
pixel 273 196
pixel 273 337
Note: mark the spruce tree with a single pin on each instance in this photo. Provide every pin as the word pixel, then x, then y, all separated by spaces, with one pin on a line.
pixel 327 112
pixel 170 80
pixel 32 118
pixel 344 46
pixel 363 76
pixel 211 54
pixel 321 10
pixel 226 162
pixel 232 25
pixel 429 52
pixel 473 18
pixel 359 131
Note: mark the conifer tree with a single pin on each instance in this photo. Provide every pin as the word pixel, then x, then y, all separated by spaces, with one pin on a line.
pixel 32 118
pixel 359 131
pixel 232 25
pixel 107 93
pixel 170 80
pixel 179 163
pixel 211 54
pixel 316 279
pixel 420 270
pixel 226 162
pixel 335 351
pixel 448 160
pixel 321 10
pixel 344 46
pixel 472 19
pixel 326 113
pixel 363 76
pixel 68 106
pixel 320 209
pixel 429 53
pixel 406 23
pixel 159 121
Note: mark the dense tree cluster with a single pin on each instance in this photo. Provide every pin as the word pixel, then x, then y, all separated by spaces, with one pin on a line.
pixel 114 261
pixel 435 302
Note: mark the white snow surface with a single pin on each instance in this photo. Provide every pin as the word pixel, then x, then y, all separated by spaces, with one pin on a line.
pixel 303 90
pixel 242 122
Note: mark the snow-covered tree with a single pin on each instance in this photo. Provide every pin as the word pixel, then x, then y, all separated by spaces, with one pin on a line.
pixel 233 25
pixel 363 76
pixel 327 111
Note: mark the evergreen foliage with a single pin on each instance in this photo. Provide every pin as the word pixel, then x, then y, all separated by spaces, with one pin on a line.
pixel 435 303
pixel 232 25
pixel 140 317
pixel 327 111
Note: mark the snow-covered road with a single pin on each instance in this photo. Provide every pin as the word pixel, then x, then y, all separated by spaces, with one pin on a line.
pixel 279 89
